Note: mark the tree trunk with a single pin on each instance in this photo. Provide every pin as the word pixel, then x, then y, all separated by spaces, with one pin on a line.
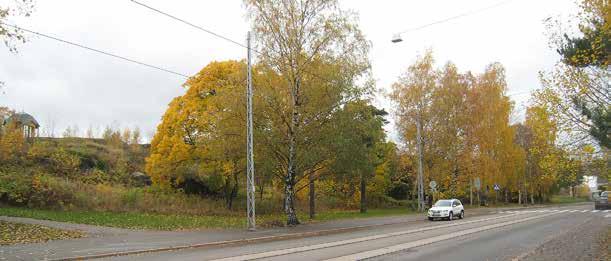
pixel 471 192
pixel 312 196
pixel 261 187
pixel 231 193
pixel 506 196
pixel 363 195
pixel 519 197
pixel 227 192
pixel 289 181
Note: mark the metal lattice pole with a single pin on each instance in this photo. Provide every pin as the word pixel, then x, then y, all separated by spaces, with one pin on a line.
pixel 250 166
pixel 420 179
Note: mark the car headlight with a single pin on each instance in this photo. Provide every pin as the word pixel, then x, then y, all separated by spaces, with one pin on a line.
pixel 445 211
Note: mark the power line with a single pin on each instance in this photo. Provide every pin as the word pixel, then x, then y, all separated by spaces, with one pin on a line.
pixel 95 50
pixel 455 17
pixel 213 33
pixel 190 24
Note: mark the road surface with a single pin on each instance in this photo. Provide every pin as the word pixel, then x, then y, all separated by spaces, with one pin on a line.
pixel 554 233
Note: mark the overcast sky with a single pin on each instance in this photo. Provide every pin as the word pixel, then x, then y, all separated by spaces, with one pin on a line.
pixel 61 85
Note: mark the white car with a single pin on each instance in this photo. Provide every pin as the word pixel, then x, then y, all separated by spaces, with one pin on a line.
pixel 447 208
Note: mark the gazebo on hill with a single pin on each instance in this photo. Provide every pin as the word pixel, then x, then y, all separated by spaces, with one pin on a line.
pixel 24 121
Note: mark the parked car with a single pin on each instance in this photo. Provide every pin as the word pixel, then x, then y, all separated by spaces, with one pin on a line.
pixel 447 209
pixel 602 202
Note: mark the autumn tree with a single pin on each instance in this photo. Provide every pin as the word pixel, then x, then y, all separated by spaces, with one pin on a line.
pixel 10 35
pixel 201 136
pixel 294 38
pixel 543 153
pixel 12 144
pixel 577 89
pixel 458 147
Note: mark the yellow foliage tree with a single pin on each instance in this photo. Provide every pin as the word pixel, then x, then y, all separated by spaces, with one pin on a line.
pixel 201 136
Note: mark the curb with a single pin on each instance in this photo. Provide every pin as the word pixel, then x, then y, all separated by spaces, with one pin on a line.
pixel 236 241
pixel 252 240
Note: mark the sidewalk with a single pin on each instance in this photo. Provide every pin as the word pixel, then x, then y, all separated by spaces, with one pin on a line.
pixel 111 241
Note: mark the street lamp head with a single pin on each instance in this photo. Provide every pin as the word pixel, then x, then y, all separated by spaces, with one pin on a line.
pixel 396 38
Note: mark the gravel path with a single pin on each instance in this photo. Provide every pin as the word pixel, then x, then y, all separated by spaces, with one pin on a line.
pixel 586 241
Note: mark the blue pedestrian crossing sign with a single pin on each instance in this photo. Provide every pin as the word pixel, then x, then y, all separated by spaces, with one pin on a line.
pixel 497 187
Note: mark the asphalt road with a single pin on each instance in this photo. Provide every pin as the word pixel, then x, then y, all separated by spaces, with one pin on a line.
pixel 510 235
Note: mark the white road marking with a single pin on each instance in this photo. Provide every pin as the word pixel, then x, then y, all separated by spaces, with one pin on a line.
pixel 584 211
pixel 348 241
pixel 574 210
pixel 607 210
pixel 608 215
pixel 417 243
pixel 594 211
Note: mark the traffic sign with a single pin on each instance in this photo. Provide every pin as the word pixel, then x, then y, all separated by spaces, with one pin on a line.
pixel 432 184
pixel 497 187
pixel 477 183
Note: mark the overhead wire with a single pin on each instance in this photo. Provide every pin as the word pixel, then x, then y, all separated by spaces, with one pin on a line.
pixel 156 10
pixel 95 50
pixel 472 12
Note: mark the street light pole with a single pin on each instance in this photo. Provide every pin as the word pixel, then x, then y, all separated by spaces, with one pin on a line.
pixel 250 166
pixel 420 171
pixel 420 179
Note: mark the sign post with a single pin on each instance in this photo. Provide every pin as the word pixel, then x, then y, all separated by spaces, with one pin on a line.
pixel 478 185
pixel 496 193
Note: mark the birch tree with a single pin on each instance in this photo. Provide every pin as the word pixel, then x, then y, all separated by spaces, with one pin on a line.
pixel 291 36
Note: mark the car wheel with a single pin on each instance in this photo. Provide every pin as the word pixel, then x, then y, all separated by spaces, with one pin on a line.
pixel 430 219
pixel 450 216
pixel 462 214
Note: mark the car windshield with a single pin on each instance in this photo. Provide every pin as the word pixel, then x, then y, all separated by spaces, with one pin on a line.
pixel 443 203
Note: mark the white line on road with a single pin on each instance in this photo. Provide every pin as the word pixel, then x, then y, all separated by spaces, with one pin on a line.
pixel 574 210
pixel 594 211
pixel 401 247
pixel 609 215
pixel 584 211
pixel 607 210
pixel 349 241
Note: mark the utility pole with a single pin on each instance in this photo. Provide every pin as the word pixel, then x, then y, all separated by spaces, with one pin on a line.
pixel 420 174
pixel 420 180
pixel 250 165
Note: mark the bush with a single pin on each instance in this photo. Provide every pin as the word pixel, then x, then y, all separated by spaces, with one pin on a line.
pixel 399 190
pixel 50 192
pixel 15 188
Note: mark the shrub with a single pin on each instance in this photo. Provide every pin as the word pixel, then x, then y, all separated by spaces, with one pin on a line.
pixel 94 176
pixel 50 192
pixel 15 188
pixel 399 190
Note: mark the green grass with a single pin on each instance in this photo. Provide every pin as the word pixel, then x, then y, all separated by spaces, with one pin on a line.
pixel 131 220
pixel 351 214
pixel 559 199
pixel 134 220
pixel 15 233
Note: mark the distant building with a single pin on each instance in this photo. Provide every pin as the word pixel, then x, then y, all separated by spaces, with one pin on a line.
pixel 24 121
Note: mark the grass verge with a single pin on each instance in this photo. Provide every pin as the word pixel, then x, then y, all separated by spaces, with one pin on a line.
pixel 560 199
pixel 15 233
pixel 135 220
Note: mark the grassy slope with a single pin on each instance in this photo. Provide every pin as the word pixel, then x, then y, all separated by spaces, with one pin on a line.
pixel 136 220
pixel 178 222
